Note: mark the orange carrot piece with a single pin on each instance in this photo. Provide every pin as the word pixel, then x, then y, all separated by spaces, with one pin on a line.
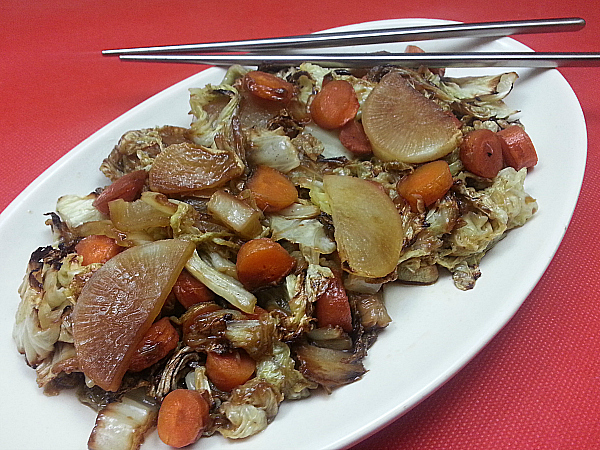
pixel 416 49
pixel 413 49
pixel 261 262
pixel 481 153
pixel 183 415
pixel 332 307
pixel 97 248
pixel 128 188
pixel 268 86
pixel 428 183
pixel 517 149
pixel 229 370
pixel 189 290
pixel 354 138
pixel 271 189
pixel 159 340
pixel 334 105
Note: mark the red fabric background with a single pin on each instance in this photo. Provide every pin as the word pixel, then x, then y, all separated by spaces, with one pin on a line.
pixel 535 386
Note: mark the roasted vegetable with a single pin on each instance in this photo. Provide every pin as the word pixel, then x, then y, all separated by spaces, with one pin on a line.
pixel 368 228
pixel 242 261
pixel 403 125
pixel 130 288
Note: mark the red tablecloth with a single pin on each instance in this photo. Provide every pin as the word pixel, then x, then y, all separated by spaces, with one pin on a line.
pixel 535 386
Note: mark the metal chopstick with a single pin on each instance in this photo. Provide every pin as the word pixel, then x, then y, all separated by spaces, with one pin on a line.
pixel 349 60
pixel 363 37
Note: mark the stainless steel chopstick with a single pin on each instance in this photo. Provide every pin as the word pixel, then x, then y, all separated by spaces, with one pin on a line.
pixel 363 37
pixel 342 60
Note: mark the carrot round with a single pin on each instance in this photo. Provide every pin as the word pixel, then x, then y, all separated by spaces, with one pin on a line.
pixel 229 370
pixel 271 189
pixel 97 248
pixel 189 290
pixel 159 340
pixel 334 105
pixel 428 183
pixel 517 149
pixel 183 415
pixel 354 138
pixel 128 188
pixel 481 153
pixel 268 86
pixel 332 307
pixel 261 262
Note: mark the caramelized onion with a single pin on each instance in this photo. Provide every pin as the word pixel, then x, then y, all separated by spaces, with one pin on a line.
pixel 330 368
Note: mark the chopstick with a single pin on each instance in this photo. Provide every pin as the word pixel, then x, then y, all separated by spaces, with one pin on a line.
pixel 363 37
pixel 350 60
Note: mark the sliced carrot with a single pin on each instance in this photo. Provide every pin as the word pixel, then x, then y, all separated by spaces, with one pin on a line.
pixel 481 153
pixel 189 290
pixel 183 415
pixel 229 370
pixel 354 138
pixel 271 189
pixel 413 49
pixel 517 149
pixel 268 86
pixel 159 340
pixel 332 307
pixel 334 105
pixel 261 262
pixel 97 248
pixel 416 49
pixel 128 188
pixel 427 184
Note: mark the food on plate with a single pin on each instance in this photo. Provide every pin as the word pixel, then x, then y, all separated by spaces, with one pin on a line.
pixel 404 125
pixel 241 261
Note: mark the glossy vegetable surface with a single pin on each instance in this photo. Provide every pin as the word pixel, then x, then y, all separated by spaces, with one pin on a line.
pixel 157 342
pixel 403 125
pixel 334 105
pixel 97 248
pixel 332 308
pixel 189 290
pixel 368 228
pixel 481 153
pixel 354 138
pixel 271 189
pixel 261 262
pixel 127 188
pixel 182 417
pixel 185 168
pixel 228 370
pixel 427 184
pixel 119 303
pixel 517 149
pixel 267 86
